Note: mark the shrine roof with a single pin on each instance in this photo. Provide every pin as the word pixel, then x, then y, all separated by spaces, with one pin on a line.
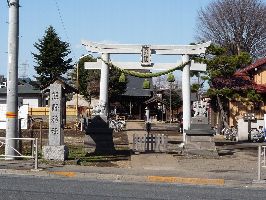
pixel 135 87
pixel 156 99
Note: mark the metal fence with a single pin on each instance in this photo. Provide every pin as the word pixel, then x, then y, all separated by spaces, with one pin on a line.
pixel 34 149
pixel 150 143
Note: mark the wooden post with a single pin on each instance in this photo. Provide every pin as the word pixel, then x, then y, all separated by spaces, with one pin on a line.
pixel 41 134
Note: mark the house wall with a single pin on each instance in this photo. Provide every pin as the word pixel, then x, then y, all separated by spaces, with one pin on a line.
pixel 260 77
pixel 33 102
pixel 238 109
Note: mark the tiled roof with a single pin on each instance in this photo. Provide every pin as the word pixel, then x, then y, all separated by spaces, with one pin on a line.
pixel 135 87
pixel 241 79
pixel 257 64
pixel 260 88
pixel 24 88
pixel 156 99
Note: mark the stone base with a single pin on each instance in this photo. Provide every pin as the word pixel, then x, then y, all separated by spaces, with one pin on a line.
pixel 99 137
pixel 201 145
pixel 99 141
pixel 199 120
pixel 58 153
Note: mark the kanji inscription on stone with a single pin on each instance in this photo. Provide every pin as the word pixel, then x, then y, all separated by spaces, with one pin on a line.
pixel 55 115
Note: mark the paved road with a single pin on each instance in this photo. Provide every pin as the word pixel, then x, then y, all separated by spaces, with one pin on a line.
pixel 23 187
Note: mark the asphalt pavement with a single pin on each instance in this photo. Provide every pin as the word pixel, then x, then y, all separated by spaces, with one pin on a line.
pixel 44 188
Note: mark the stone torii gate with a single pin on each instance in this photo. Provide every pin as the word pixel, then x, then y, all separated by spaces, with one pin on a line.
pixel 146 51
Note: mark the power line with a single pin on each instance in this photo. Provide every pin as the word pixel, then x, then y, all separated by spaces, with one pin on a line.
pixel 23 70
pixel 64 27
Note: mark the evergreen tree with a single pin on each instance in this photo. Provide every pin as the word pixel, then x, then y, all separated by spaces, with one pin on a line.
pixel 51 59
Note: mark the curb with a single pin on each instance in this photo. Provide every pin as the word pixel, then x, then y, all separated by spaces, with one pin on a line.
pixel 182 180
pixel 152 179
pixel 131 178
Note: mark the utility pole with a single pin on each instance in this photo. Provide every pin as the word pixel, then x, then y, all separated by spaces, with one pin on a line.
pixel 12 79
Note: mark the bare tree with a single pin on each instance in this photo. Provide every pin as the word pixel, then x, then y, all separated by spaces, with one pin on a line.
pixel 238 25
pixel 160 82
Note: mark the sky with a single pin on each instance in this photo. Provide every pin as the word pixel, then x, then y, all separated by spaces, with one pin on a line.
pixel 108 21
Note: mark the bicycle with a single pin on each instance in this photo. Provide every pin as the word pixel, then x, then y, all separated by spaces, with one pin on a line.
pixel 230 133
pixel 117 125
pixel 256 135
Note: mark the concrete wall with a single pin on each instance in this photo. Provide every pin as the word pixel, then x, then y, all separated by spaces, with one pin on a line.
pixel 243 128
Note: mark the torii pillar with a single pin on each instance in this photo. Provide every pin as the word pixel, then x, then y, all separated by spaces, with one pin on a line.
pixel 186 94
pixel 104 82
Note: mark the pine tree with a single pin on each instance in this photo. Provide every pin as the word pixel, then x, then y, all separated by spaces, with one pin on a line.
pixel 51 59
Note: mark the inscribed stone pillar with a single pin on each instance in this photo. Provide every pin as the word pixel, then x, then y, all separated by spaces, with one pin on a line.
pixel 55 115
pixel 56 150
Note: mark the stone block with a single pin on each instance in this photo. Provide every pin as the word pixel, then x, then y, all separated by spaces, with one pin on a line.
pixel 200 141
pixel 199 120
pixel 57 153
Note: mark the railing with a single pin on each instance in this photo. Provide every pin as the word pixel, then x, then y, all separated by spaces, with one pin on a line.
pixel 34 150
pixel 150 143
pixel 261 159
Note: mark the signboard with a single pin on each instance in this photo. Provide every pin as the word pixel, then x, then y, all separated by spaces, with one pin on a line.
pixel 146 55
pixel 249 116
pixel 22 114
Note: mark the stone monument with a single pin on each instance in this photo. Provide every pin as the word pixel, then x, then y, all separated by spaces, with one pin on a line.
pixel 56 150
pixel 200 115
